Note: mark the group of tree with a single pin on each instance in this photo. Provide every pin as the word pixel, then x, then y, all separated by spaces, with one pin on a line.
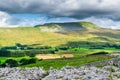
pixel 100 53
pixel 19 46
pixel 19 53
pixel 15 63
pixel 32 51
pixel 91 45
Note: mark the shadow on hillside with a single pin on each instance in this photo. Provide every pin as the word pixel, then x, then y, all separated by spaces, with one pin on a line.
pixel 107 34
pixel 94 45
pixel 19 46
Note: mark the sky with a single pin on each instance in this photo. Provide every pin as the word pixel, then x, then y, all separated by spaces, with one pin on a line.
pixel 14 13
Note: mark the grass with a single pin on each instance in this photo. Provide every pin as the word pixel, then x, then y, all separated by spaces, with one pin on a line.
pixel 77 52
pixel 89 25
pixel 117 75
pixel 100 66
pixel 76 61
pixel 31 35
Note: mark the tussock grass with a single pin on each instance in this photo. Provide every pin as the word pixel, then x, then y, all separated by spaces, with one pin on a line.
pixel 75 61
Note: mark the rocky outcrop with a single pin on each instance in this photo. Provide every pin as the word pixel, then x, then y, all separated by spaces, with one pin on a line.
pixel 107 70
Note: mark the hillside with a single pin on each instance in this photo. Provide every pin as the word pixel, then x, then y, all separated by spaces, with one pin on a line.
pixel 63 27
pixel 54 34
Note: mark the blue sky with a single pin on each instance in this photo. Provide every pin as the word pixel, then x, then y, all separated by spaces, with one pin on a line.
pixel 21 13
pixel 28 16
pixel 43 16
pixel 38 19
pixel 32 18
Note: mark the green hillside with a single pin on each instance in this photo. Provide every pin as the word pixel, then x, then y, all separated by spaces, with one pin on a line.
pixel 61 27
pixel 58 44
pixel 56 34
pixel 88 25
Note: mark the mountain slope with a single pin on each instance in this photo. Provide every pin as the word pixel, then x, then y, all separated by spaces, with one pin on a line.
pixel 57 34
pixel 72 26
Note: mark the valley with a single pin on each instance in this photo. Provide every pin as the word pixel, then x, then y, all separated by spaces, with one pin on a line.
pixel 58 44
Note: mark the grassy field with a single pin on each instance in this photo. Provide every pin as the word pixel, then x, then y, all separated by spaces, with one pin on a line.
pixel 78 58
pixel 31 35
pixel 76 61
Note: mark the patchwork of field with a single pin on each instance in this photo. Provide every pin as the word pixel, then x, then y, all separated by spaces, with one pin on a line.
pixel 53 56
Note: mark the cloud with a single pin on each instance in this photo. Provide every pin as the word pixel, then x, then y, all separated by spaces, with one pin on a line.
pixel 71 8
pixel 103 12
pixel 104 22
pixel 6 20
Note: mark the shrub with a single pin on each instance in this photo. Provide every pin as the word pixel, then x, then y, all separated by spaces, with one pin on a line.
pixel 100 53
pixel 32 60
pixel 40 59
pixel 18 44
pixel 11 63
pixel 24 61
pixel 4 53
pixel 117 75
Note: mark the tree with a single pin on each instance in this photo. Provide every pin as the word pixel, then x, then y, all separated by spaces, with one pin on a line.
pixel 18 44
pixel 4 53
pixel 32 60
pixel 0 62
pixel 24 61
pixel 11 63
pixel 100 53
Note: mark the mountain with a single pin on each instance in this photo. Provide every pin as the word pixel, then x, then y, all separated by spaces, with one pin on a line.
pixel 54 34
pixel 69 26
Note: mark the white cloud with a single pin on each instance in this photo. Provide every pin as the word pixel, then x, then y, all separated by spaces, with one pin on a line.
pixel 72 8
pixel 6 20
pixel 104 22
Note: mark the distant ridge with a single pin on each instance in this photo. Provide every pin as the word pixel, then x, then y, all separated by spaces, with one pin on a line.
pixel 68 26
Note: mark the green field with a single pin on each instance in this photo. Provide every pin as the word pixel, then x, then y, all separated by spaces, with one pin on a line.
pixel 80 57
pixel 76 61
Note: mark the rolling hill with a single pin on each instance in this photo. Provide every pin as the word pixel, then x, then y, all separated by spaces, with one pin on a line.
pixel 54 34
pixel 64 27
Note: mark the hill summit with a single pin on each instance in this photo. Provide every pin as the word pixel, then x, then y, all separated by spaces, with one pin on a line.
pixel 69 26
